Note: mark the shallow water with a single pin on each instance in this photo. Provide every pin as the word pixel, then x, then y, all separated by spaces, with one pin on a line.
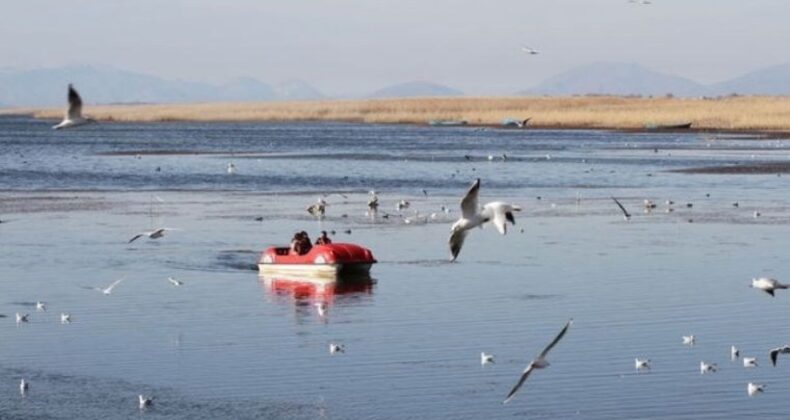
pixel 228 344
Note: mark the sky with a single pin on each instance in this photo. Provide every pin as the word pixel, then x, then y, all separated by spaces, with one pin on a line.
pixel 349 47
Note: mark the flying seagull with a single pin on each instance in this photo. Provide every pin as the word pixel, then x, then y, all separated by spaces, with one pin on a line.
pixel 175 282
pixel 65 318
pixel 768 285
pixel 753 388
pixel 689 340
pixel 336 348
pixel 626 215
pixel 154 234
pixel 318 209
pixel 73 115
pixel 529 50
pixel 23 387
pixel 749 362
pixel 486 358
pixel 20 318
pixel 640 364
pixel 734 352
pixel 108 290
pixel 775 353
pixel 539 362
pixel 497 212
pixel 707 368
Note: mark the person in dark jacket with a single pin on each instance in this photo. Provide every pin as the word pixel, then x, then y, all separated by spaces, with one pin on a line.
pixel 323 239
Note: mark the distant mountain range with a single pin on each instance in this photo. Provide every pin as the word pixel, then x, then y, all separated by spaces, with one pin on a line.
pixel 107 85
pixel 633 79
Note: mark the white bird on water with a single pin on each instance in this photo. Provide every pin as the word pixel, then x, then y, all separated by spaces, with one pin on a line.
pixel 486 359
pixel 497 212
pixel 41 306
pixel 689 340
pixel 734 352
pixel 336 348
pixel 175 282
pixel 749 362
pixel 73 117
pixel 707 367
pixel 768 285
pixel 538 362
pixel 321 308
pixel 144 402
pixel 753 388
pixel 775 353
pixel 20 318
pixel 154 234
pixel 231 168
pixel 108 290
pixel 23 387
pixel 640 364
pixel 65 318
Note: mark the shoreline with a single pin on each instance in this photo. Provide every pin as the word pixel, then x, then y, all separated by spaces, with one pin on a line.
pixel 763 117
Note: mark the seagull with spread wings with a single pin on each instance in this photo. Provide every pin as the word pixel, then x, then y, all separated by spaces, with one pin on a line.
pixel 154 234
pixel 538 362
pixel 73 117
pixel 529 50
pixel 497 212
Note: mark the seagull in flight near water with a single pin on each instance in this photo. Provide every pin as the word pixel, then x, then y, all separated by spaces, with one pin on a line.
pixel 538 362
pixel 73 117
pixel 108 290
pixel 154 234
pixel 497 212
pixel 768 285
pixel 529 50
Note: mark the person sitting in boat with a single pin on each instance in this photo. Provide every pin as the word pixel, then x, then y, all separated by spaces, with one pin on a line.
pixel 304 243
pixel 296 243
pixel 323 239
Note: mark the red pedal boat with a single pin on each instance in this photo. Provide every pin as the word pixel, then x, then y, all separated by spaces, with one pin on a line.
pixel 323 261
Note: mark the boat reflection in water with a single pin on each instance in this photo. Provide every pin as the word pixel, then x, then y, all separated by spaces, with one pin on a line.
pixel 305 292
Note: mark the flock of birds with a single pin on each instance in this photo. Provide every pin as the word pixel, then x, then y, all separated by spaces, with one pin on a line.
pixel 473 215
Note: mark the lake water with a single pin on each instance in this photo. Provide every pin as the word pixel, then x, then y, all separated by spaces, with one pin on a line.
pixel 230 345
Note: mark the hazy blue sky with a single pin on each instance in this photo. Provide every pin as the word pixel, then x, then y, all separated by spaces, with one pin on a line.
pixel 354 46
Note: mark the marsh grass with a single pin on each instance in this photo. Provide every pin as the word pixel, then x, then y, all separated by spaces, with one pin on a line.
pixel 764 113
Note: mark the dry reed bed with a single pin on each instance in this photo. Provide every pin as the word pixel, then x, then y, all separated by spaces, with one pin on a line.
pixel 754 113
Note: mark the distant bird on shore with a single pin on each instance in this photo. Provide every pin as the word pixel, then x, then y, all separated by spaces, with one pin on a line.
pixel 768 285
pixel 497 212
pixel 486 359
pixel 775 353
pixel 108 290
pixel 73 117
pixel 154 234
pixel 538 362
pixel 529 50
pixel 626 215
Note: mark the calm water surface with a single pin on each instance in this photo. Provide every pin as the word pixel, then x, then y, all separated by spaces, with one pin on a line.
pixel 228 344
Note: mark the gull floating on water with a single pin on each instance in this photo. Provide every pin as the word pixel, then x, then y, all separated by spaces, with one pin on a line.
pixel 73 117
pixel 768 285
pixel 65 318
pixel 108 290
pixel 497 212
pixel 775 353
pixel 154 234
pixel 336 348
pixel 20 318
pixel 23 387
pixel 707 368
pixel 175 282
pixel 626 215
pixel 321 308
pixel 734 352
pixel 41 306
pixel 319 208
pixel 640 364
pixel 538 362
pixel 144 402
pixel 231 168
pixel 402 205
pixel 486 358
pixel 689 340
pixel 749 362
pixel 753 388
